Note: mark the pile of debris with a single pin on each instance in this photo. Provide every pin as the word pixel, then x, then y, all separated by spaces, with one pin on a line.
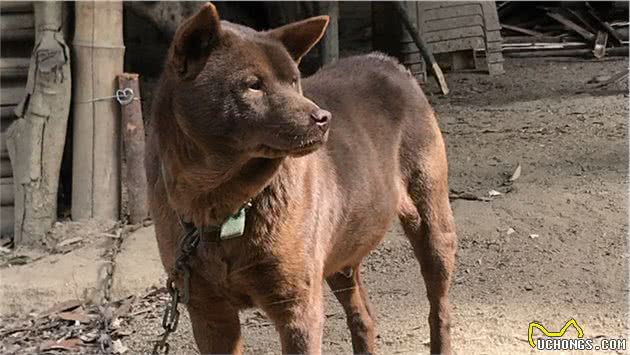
pixel 564 29
pixel 77 327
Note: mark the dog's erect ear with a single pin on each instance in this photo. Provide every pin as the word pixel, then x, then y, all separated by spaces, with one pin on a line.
pixel 193 41
pixel 299 37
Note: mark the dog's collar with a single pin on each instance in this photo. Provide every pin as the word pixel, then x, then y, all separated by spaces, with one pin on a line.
pixel 232 227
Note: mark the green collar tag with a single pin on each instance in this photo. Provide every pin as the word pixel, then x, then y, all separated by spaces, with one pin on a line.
pixel 234 226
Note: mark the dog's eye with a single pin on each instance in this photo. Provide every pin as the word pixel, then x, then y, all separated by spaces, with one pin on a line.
pixel 255 84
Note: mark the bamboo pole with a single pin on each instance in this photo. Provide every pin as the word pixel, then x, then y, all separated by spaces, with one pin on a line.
pixel 98 57
pixel 35 140
pixel 330 41
pixel 133 147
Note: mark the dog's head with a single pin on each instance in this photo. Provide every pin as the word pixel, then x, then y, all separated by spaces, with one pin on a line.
pixel 238 89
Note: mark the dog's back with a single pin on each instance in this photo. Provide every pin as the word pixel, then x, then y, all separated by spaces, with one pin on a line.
pixel 380 113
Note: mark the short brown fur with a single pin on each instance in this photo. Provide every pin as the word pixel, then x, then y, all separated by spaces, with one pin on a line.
pixel 233 122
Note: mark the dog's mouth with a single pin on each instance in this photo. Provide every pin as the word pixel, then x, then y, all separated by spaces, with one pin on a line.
pixel 301 148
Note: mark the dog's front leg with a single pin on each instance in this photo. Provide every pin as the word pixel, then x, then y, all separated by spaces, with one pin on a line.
pixel 298 318
pixel 216 327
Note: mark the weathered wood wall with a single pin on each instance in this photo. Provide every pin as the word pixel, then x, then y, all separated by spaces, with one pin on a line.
pixel 17 33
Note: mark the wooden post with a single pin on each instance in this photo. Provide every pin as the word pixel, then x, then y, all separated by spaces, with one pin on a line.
pixel 133 148
pixel 98 58
pixel 330 41
pixel 35 140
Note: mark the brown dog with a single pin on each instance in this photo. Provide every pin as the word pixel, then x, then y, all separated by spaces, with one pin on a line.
pixel 327 163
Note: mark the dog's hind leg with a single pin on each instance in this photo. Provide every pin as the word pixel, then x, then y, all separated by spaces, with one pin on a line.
pixel 216 328
pixel 427 219
pixel 351 294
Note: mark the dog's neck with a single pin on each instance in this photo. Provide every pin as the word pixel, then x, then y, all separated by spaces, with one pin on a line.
pixel 206 187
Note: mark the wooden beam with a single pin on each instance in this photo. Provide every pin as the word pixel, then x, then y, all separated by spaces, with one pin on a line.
pixel 6 192
pixel 7 216
pixel 6 170
pixel 18 21
pixel 133 147
pixel 611 31
pixel 17 27
pixel 587 53
pixel 522 30
pixel 16 6
pixel 572 25
pixel 12 93
pixel 330 41
pixel 7 112
pixel 14 67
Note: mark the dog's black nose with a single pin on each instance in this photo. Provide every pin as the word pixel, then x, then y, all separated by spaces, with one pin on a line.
pixel 321 117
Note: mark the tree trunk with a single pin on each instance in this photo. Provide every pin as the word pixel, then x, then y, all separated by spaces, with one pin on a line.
pixel 36 139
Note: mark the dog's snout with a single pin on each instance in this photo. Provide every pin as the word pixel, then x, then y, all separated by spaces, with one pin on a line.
pixel 321 117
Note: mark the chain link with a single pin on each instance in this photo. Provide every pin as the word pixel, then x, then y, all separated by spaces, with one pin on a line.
pixel 170 320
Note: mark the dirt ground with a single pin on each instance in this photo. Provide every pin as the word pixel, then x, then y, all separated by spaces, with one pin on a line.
pixel 551 247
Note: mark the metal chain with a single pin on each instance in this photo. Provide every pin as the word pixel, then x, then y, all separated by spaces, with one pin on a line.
pixel 170 320
pixel 104 307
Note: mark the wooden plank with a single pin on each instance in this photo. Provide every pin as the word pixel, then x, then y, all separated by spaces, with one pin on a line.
pixel 6 113
pixel 571 25
pixel 14 67
pixel 451 23
pixel 96 133
pixel 459 45
pixel 570 52
pixel 452 12
pixel 522 30
pixel 19 21
pixel 7 216
pixel 583 20
pixel 6 170
pixel 430 5
pixel 15 6
pixel 6 192
pixel 12 93
pixel 530 39
pixel 4 153
pixel 453 34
